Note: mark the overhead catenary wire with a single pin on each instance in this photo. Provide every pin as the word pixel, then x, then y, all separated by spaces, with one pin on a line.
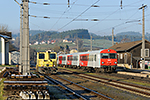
pixel 78 15
pixel 125 22
pixel 63 14
pixel 39 3
pixel 113 13
pixel 105 19
pixel 77 4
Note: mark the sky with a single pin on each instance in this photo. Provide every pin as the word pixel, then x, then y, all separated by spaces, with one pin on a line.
pixel 79 15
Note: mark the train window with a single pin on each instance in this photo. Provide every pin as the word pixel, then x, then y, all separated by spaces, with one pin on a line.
pixel 60 58
pixel 84 58
pixel 52 56
pixel 104 55
pixel 69 58
pixel 63 58
pixel 41 56
pixel 75 58
pixel 95 57
pixel 113 56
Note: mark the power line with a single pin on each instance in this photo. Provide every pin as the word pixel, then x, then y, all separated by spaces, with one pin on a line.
pixel 115 12
pixel 124 22
pixel 105 18
pixel 39 3
pixel 63 14
pixel 79 15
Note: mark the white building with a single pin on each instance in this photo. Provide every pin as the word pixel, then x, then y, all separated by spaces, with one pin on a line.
pixel 43 42
pixel 14 57
pixel 4 47
pixel 36 43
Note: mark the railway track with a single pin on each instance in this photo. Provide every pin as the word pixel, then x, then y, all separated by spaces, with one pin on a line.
pixel 140 90
pixel 77 90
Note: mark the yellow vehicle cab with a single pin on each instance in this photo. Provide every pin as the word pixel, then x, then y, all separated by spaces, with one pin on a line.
pixel 46 62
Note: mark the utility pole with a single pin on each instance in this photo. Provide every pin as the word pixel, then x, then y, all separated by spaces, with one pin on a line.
pixel 20 67
pixel 91 42
pixel 112 36
pixel 25 39
pixel 143 38
pixel 77 45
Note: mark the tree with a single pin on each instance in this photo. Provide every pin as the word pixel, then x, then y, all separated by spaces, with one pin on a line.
pixel 12 47
pixel 80 43
pixel 3 28
pixel 61 48
pixel 17 42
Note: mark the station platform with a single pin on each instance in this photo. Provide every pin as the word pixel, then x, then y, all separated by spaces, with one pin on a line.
pixel 134 72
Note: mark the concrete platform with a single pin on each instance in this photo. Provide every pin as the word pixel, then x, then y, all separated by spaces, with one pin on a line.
pixel 133 72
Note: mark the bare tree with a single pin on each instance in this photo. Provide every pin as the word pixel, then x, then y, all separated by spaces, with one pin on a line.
pixel 3 28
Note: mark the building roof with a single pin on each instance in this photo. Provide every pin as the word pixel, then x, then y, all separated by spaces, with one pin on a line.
pixel 126 46
pixel 6 35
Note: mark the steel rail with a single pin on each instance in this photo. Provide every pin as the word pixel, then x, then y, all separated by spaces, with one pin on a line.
pixel 99 79
pixel 65 87
pixel 86 89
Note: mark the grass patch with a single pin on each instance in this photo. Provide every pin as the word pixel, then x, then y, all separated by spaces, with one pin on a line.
pixel 1 89
pixel 139 83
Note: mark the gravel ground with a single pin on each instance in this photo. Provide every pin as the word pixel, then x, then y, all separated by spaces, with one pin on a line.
pixel 112 92
pixel 58 93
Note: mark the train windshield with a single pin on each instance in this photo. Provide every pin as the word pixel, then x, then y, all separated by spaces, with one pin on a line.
pixel 41 56
pixel 109 55
pixel 113 56
pixel 52 56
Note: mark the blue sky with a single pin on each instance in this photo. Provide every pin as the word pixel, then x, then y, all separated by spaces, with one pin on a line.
pixel 61 16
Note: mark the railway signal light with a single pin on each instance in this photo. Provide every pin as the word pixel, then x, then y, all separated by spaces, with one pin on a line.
pixel 121 4
pixel 68 3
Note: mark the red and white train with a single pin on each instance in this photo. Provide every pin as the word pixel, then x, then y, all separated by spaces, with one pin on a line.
pixel 104 60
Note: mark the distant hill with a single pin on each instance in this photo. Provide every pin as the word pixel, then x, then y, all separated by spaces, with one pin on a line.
pixel 130 33
pixel 78 33
pixel 31 32
pixel 40 35
pixel 34 32
pixel 47 35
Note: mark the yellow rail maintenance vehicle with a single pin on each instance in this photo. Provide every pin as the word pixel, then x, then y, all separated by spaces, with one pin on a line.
pixel 46 62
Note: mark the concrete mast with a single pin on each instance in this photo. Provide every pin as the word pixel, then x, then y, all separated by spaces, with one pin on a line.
pixel 143 38
pixel 25 39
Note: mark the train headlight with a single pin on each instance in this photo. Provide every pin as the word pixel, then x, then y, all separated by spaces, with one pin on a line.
pixel 102 62
pixel 115 62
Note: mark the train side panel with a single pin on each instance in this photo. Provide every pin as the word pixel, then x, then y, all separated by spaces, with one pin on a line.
pixel 100 59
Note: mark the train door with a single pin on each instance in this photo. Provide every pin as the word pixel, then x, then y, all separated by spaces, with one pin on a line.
pixel 90 62
pixel 40 58
pixel 94 60
pixel 97 60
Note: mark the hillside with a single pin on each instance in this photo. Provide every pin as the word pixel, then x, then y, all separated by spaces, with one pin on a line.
pixel 49 35
pixel 130 33
pixel 84 45
pixel 31 32
pixel 83 35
